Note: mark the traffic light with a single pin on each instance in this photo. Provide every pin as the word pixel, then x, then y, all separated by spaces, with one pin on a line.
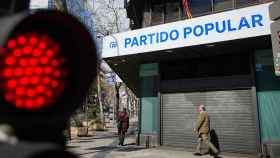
pixel 47 62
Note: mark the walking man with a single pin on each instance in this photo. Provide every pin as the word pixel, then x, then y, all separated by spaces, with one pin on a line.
pixel 202 129
pixel 123 125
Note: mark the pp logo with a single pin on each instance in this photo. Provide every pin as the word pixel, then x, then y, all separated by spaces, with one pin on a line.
pixel 113 45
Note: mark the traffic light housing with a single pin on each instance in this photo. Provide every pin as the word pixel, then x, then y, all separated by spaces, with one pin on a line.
pixel 47 62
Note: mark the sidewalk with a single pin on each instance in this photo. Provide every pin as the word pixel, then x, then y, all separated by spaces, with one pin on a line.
pixel 104 145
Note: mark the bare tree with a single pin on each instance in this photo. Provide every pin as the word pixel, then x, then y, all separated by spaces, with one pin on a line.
pixel 102 17
pixel 110 16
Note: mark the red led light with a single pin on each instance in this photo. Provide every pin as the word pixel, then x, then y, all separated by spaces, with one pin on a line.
pixel 40 101
pixel 19 103
pixel 48 70
pixel 44 60
pixel 11 43
pixel 31 92
pixel 34 80
pixel 40 89
pixel 21 40
pixel 55 63
pixel 37 52
pixel 50 53
pixel 27 50
pixel 12 84
pixel 23 62
pixel 20 91
pixel 42 45
pixel 33 71
pixel 54 84
pixel 18 71
pixel 46 80
pixel 10 61
pixel 8 72
pixel 29 71
pixel 29 104
pixel 49 93
pixel 24 80
pixel 33 61
pixel 57 73
pixel 33 40
pixel 9 96
pixel 17 52
pixel 38 70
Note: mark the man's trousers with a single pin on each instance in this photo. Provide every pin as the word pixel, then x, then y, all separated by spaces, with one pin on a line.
pixel 203 138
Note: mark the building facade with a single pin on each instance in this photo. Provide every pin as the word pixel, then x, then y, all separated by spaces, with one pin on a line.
pixel 185 53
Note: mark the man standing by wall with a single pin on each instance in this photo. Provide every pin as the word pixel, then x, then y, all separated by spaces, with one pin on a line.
pixel 123 125
pixel 202 129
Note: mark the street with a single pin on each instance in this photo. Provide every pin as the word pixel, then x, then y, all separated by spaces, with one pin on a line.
pixel 105 145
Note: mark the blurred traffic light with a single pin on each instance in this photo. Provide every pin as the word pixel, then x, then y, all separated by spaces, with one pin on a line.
pixel 47 62
pixel 34 71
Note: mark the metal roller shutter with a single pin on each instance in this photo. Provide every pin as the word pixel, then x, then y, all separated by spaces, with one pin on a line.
pixel 231 114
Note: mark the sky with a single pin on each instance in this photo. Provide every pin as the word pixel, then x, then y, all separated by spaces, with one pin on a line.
pixel 34 4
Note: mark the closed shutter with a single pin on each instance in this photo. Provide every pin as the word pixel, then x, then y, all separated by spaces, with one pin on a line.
pixel 231 114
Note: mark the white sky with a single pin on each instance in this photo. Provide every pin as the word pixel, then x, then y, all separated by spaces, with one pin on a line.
pixel 34 4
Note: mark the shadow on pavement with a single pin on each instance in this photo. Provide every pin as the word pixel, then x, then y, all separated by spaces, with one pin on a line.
pixel 72 146
pixel 102 148
pixel 130 149
pixel 131 144
pixel 87 153
pixel 89 139
pixel 84 141
pixel 126 148
pixel 105 137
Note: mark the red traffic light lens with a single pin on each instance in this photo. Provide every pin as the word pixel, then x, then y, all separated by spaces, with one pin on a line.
pixel 33 70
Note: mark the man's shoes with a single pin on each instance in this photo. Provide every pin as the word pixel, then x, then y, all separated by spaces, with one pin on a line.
pixel 216 156
pixel 197 154
pixel 206 153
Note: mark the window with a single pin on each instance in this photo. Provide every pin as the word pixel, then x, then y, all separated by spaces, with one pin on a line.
pixel 244 3
pixel 157 14
pixel 221 5
pixel 172 12
pixel 200 7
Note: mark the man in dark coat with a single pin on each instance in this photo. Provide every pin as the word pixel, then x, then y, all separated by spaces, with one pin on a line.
pixel 202 129
pixel 123 125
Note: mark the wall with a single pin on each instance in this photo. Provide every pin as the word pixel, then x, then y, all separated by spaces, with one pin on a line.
pixel 149 106
pixel 268 97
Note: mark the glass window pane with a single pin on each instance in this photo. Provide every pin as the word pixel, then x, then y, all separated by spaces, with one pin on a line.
pixel 200 7
pixel 157 15
pixel 171 12
pixel 243 3
pixel 220 5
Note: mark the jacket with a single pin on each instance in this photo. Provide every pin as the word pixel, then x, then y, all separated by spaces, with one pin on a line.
pixel 123 121
pixel 202 124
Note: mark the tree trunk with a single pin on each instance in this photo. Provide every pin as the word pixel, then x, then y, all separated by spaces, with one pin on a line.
pixel 127 100
pixel 100 99
pixel 117 86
